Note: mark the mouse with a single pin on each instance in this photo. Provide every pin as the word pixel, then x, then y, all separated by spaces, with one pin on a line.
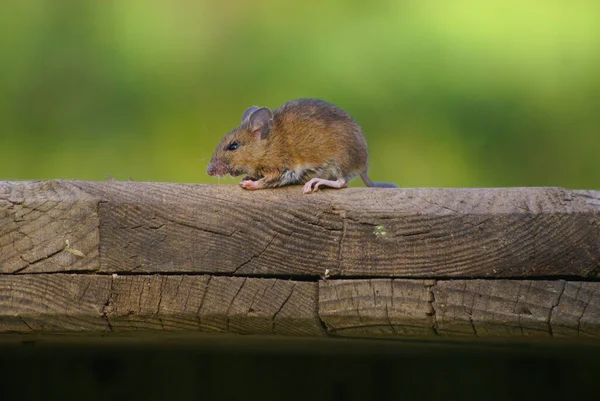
pixel 304 141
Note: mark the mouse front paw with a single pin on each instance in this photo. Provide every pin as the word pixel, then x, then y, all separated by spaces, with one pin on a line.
pixel 250 185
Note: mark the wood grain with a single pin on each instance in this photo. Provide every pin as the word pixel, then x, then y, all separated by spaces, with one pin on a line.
pixel 249 262
pixel 223 229
pixel 428 233
pixel 99 304
pixel 53 303
pixel 36 221
pixel 377 308
pixel 372 308
pixel 474 233
pixel 118 227
pixel 472 308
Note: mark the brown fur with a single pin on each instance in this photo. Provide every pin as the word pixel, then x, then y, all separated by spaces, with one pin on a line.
pixel 306 136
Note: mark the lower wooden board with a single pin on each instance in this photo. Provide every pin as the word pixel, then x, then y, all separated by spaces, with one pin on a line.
pixel 100 304
pixel 363 308
pixel 476 308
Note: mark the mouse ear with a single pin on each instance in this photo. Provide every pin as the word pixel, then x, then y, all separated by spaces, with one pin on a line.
pixel 260 122
pixel 248 112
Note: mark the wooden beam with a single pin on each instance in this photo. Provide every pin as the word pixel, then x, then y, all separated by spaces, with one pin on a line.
pixel 427 233
pixel 102 258
pixel 472 308
pixel 100 304
pixel 375 308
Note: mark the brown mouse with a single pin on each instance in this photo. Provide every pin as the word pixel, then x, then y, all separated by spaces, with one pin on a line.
pixel 305 141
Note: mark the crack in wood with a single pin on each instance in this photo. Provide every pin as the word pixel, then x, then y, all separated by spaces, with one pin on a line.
pixel 285 301
pixel 104 313
pixel 227 314
pixel 430 303
pixel 34 262
pixel 25 323
pixel 554 305
pixel 256 256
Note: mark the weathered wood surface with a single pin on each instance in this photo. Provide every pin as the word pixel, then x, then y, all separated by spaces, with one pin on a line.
pixel 427 233
pixel 36 220
pixel 384 308
pixel 476 308
pixel 101 258
pixel 98 304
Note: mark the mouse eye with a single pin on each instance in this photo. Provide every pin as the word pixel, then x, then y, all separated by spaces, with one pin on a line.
pixel 233 146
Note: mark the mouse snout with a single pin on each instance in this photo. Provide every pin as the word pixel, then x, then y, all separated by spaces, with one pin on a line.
pixel 216 167
pixel 211 170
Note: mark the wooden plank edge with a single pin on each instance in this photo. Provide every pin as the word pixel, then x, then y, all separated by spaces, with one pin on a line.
pixel 460 308
pixel 94 304
pixel 101 304
pixel 77 226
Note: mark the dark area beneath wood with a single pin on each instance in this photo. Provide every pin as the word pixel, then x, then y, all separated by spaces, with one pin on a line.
pixel 253 368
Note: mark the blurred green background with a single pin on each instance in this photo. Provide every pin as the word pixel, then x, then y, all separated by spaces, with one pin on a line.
pixel 460 93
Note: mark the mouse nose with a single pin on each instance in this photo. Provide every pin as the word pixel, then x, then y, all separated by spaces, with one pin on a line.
pixel 211 169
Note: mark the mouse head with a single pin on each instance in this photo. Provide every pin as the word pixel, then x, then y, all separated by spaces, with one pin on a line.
pixel 241 150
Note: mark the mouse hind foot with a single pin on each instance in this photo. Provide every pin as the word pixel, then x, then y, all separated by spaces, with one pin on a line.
pixel 314 184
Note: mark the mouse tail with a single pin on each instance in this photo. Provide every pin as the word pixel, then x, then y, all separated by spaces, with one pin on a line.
pixel 370 183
